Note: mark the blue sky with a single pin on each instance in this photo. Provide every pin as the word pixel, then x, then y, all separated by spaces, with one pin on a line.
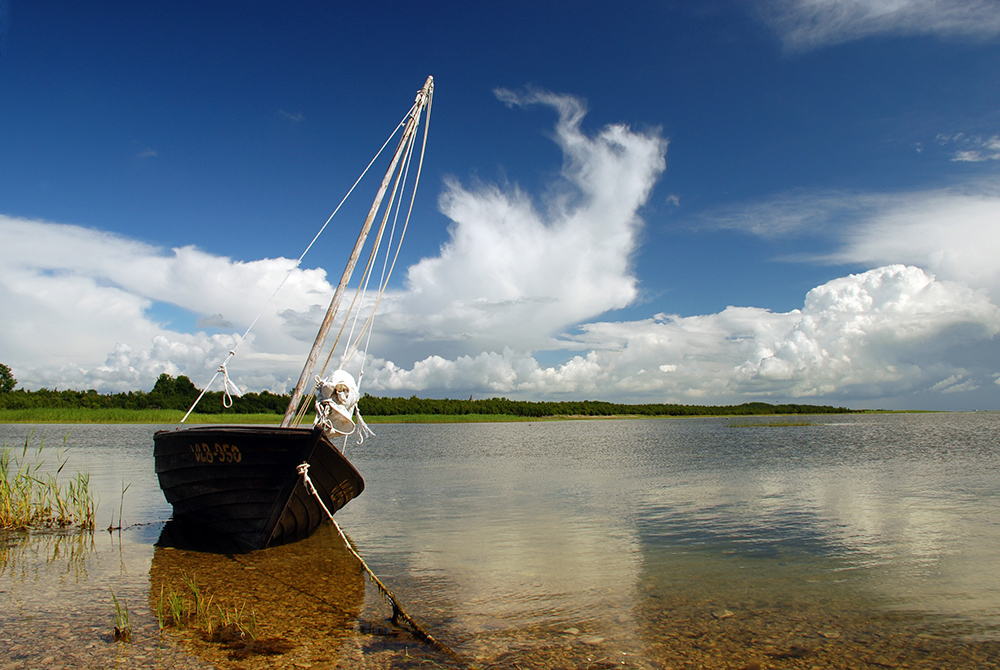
pixel 711 201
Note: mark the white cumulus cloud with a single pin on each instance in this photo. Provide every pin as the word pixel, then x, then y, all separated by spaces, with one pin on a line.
pixel 79 308
pixel 523 279
pixel 511 261
pixel 887 332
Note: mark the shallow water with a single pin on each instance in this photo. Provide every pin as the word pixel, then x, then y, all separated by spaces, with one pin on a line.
pixel 857 541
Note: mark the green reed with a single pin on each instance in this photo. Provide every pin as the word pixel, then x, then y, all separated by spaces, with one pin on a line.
pixel 123 627
pixel 237 621
pixel 193 609
pixel 33 497
pixel 63 554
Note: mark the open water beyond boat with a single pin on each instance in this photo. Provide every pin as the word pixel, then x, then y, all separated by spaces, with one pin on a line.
pixel 856 541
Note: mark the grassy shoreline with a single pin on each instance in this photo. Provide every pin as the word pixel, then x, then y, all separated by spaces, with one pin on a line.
pixel 168 417
pixel 171 416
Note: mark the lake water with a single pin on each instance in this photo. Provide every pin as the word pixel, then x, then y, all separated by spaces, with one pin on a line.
pixel 857 541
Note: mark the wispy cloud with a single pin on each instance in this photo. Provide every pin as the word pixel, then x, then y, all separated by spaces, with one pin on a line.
pixel 952 233
pixel 972 148
pixel 801 212
pixel 297 117
pixel 808 24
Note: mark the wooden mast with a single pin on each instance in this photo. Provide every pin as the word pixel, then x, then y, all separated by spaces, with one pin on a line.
pixel 411 127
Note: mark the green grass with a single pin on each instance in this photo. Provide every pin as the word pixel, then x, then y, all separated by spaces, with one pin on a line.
pixel 154 416
pixel 170 416
pixel 31 496
pixel 452 418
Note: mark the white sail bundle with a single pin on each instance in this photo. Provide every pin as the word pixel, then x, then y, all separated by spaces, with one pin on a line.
pixel 336 401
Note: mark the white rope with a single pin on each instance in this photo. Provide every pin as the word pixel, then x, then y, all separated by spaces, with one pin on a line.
pixel 367 329
pixel 358 299
pixel 363 289
pixel 394 207
pixel 227 386
pixel 331 405
pixel 363 429
pixel 406 223
pixel 349 351
pixel 407 146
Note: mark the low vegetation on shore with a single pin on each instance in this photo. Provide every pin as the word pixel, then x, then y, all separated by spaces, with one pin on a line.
pixel 33 496
pixel 171 397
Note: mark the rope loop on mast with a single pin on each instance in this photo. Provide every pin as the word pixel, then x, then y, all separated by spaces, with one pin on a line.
pixel 229 387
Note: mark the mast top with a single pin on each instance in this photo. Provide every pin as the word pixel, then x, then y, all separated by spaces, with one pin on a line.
pixel 421 105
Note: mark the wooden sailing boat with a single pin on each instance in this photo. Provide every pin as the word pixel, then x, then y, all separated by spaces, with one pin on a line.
pixel 242 481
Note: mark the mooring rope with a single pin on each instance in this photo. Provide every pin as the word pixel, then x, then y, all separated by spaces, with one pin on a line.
pixel 397 609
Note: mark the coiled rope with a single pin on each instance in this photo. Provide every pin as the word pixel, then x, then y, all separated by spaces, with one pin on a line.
pixel 397 610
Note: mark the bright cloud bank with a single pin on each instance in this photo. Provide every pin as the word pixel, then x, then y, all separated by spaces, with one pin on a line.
pixel 520 281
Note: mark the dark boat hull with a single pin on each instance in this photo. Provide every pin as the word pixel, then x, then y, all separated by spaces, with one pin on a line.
pixel 241 481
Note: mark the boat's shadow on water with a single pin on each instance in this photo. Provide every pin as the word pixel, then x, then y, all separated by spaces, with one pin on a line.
pixel 301 600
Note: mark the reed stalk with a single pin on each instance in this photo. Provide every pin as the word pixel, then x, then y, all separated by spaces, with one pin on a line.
pixel 161 617
pixel 178 610
pixel 123 627
pixel 31 497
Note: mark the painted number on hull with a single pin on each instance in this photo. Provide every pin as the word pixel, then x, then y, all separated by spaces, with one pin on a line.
pixel 219 453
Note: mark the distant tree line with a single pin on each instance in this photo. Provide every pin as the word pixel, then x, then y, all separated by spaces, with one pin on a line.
pixel 179 392
pixel 168 393
pixel 376 406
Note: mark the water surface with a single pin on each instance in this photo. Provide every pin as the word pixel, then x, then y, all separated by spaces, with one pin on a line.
pixel 853 541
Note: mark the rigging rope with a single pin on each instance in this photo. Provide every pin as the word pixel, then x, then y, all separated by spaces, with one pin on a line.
pixel 232 352
pixel 399 187
pixel 357 300
pixel 397 609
